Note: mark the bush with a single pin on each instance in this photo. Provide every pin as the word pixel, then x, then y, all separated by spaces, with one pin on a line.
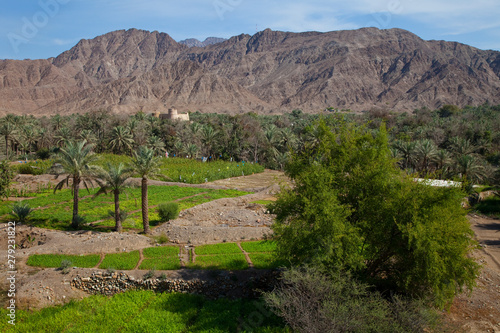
pixel 162 239
pixel 311 301
pixel 26 169
pixel 168 211
pixel 21 211
pixel 65 266
pixel 33 167
pixel 6 176
pixel 43 154
pixel 123 214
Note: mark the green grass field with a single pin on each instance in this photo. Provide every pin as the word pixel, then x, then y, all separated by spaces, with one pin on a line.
pixel 192 171
pixel 259 246
pixel 55 260
pixel 266 261
pixel 222 248
pixel 230 261
pixel 489 206
pixel 161 258
pixel 165 263
pixel 54 211
pixel 160 251
pixel 145 311
pixel 122 261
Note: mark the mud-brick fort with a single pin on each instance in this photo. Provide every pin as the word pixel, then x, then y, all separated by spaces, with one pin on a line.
pixel 172 114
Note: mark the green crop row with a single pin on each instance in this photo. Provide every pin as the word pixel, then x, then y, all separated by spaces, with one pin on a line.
pixel 213 256
pixel 55 260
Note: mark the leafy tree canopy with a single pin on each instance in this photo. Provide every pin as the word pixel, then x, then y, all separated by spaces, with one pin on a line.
pixel 351 208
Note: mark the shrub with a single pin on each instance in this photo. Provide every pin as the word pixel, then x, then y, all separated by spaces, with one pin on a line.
pixel 311 301
pixel 65 266
pixel 43 154
pixel 21 211
pixel 149 274
pixel 123 214
pixel 162 239
pixel 168 211
pixel 6 175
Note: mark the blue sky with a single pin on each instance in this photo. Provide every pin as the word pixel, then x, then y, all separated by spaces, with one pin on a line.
pixel 44 28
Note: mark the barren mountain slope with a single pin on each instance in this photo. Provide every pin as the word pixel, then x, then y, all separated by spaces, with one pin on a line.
pixel 271 71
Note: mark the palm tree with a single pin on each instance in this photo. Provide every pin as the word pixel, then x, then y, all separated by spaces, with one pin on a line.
pixel 87 135
pixel 121 139
pixel 178 148
pixel 146 165
pixel 192 150
pixel 43 139
pixel 29 137
pixel 461 146
pixel 63 136
pixel 57 122
pixel 113 178
pixel 425 153
pixel 76 159
pixel 157 145
pixel 208 137
pixel 8 130
pixel 407 150
pixel 443 160
pixel 469 167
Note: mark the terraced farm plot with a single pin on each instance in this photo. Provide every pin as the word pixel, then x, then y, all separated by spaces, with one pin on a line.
pixel 160 251
pixel 222 248
pixel 161 258
pixel 161 264
pixel 55 260
pixel 121 261
pixel 220 261
pixel 259 246
pixel 266 261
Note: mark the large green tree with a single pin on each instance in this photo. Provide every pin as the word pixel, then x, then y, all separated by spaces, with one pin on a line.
pixel 352 208
pixel 146 164
pixel 76 160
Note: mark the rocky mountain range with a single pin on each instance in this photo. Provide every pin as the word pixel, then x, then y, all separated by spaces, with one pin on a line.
pixel 269 72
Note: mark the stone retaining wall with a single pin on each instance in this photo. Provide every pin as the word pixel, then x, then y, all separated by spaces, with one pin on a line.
pixel 223 285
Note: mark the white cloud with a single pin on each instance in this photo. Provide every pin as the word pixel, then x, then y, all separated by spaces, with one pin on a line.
pixel 61 42
pixel 303 16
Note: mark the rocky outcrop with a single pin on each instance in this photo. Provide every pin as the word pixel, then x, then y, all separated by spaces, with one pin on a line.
pixel 271 71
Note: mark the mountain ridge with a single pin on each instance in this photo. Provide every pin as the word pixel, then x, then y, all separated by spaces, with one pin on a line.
pixel 269 72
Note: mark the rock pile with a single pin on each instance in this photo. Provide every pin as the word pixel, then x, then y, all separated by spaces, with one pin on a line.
pixel 224 284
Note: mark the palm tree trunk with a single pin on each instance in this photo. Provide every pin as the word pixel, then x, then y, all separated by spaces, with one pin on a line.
pixel 118 225
pixel 6 146
pixel 76 188
pixel 145 217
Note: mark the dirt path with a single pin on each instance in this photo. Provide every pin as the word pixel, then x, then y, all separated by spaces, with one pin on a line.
pixel 247 257
pixel 480 312
pixel 141 258
pixel 100 260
